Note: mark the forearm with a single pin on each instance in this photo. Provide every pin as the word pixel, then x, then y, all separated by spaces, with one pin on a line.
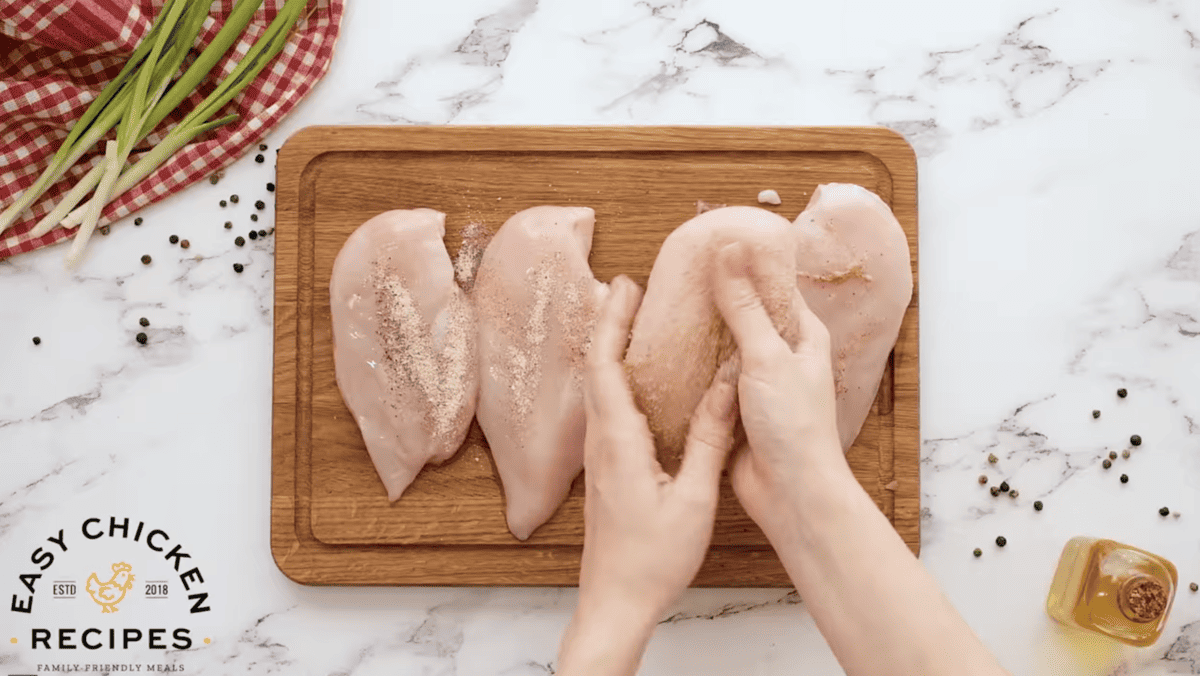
pixel 876 605
pixel 604 640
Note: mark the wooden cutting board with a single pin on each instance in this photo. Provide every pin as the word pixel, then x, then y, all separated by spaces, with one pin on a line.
pixel 331 522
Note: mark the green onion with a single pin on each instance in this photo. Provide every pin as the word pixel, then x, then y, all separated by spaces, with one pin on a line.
pixel 260 54
pixel 107 109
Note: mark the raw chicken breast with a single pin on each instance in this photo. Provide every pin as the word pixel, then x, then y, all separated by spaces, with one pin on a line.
pixel 853 267
pixel 679 339
pixel 404 343
pixel 537 303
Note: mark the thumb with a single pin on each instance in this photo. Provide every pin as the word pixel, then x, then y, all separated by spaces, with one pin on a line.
pixel 742 308
pixel 710 436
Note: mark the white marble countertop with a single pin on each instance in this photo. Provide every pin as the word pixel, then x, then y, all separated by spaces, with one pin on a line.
pixel 1060 260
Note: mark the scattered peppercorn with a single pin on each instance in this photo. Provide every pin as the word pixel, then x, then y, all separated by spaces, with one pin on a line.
pixel 174 239
pixel 233 198
pixel 262 233
pixel 138 221
pixel 1164 512
pixel 1125 454
pixel 142 338
pixel 995 491
pixel 185 244
pixel 260 205
pixel 1112 455
pixel 1003 486
pixel 262 146
pixel 1014 493
pixel 254 217
pixel 253 235
pixel 1001 541
pixel 983 479
pixel 1037 505
pixel 1194 587
pixel 37 340
pixel 144 322
pixel 1096 413
pixel 224 203
pixel 259 159
pixel 228 225
pixel 1136 440
pixel 270 187
pixel 979 553
pixel 240 241
pixel 237 267
pixel 146 259
pixel 1124 478
pixel 1122 393
pixel 992 458
pixel 1107 463
pixel 213 179
pixel 104 230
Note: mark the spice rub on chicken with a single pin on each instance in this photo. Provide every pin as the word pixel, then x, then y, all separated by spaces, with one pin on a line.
pixel 537 303
pixel 404 343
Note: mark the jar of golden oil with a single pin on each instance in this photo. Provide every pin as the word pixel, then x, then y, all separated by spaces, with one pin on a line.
pixel 1114 589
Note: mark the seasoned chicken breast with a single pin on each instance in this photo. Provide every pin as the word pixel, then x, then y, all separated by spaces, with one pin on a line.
pixel 404 343
pixel 537 302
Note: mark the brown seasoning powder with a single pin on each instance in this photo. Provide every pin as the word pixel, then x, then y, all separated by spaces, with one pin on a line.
pixel 1142 599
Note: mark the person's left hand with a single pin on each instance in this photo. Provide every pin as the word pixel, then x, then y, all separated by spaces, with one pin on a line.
pixel 645 534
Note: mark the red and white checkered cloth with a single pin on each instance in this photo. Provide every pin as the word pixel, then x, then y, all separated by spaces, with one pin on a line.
pixel 56 56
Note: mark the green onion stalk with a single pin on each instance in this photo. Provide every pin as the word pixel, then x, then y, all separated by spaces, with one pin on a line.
pixel 196 122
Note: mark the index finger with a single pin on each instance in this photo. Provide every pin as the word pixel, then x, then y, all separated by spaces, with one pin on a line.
pixel 607 393
pixel 742 308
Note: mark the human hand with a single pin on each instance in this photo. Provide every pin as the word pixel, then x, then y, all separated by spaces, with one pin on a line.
pixel 645 534
pixel 786 395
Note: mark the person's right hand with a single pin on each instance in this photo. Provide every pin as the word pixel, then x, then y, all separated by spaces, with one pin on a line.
pixel 786 396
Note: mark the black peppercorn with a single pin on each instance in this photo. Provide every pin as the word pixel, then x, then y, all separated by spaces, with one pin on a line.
pixel 138 221
pixel 254 217
pixel 240 241
pixel 262 233
pixel 1001 541
pixel 1003 486
pixel 233 198
pixel 1194 587
pixel 1124 478
pixel 185 244
pixel 995 491
pixel 1096 413
pixel 37 340
pixel 983 479
pixel 224 203
pixel 237 267
pixel 260 205
pixel 1164 511
pixel 1014 493
pixel 1122 393
pixel 174 239
pixel 213 179
pixel 253 235
pixel 1125 454
pixel 142 338
pixel 262 146
pixel 1107 463
pixel 259 159
pixel 146 259
pixel 992 458
pixel 978 552
pixel 1136 440
pixel 1112 455
pixel 228 225
pixel 270 187
pixel 1037 505
pixel 144 322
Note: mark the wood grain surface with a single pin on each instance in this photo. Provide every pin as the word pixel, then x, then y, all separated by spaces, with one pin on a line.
pixel 331 522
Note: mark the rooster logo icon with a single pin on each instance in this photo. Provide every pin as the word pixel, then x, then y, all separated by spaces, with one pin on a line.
pixel 108 594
